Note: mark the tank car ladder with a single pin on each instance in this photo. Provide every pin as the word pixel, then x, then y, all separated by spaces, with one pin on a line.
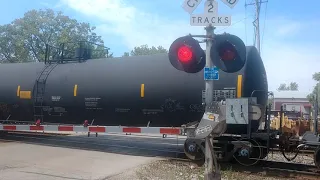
pixel 39 91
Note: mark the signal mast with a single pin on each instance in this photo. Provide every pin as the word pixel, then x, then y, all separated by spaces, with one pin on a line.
pixel 223 52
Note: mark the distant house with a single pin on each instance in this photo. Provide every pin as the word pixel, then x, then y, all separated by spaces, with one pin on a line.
pixel 292 101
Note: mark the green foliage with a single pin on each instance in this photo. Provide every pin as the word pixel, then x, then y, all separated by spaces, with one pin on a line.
pixel 311 96
pixel 293 86
pixel 316 76
pixel 25 38
pixel 125 54
pixel 145 50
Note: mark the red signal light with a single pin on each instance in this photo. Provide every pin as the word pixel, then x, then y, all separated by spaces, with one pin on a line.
pixel 228 55
pixel 227 52
pixel 185 54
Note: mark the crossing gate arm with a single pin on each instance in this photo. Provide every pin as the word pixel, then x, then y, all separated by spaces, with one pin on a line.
pixel 93 129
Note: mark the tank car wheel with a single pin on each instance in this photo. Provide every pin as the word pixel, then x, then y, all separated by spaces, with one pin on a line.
pixel 193 151
pixel 264 151
pixel 249 156
pixel 317 157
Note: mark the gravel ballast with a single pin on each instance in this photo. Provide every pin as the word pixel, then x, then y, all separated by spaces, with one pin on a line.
pixel 173 170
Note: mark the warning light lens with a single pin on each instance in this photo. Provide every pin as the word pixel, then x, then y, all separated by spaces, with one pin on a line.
pixel 227 52
pixel 185 54
pixel 228 55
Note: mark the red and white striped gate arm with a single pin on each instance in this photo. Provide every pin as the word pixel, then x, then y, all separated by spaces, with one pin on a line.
pixel 93 129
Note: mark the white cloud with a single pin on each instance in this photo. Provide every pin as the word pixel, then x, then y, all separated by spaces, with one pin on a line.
pixel 289 29
pixel 284 62
pixel 134 26
pixel 281 26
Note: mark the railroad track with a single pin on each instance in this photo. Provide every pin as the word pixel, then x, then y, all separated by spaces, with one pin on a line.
pixel 290 170
pixel 269 169
pixel 265 167
pixel 303 151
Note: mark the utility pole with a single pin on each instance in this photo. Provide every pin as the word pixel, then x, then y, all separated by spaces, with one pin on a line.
pixel 316 108
pixel 256 22
pixel 209 159
pixel 219 49
pixel 257 25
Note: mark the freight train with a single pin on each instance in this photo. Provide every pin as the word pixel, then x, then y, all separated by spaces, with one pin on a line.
pixel 131 91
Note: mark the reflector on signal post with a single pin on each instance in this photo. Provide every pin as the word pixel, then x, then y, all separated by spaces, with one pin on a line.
pixel 228 52
pixel 185 54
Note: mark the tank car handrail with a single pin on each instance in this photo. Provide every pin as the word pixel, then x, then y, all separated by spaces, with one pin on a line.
pixel 249 123
pixel 257 91
pixel 66 55
pixel 85 41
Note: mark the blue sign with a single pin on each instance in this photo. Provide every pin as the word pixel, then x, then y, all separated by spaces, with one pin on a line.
pixel 211 73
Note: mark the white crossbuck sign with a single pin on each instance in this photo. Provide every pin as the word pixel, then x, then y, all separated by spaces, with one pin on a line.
pixel 210 15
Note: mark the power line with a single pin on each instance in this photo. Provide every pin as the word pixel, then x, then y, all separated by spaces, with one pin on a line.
pixel 264 23
pixel 233 24
pixel 245 26
pixel 256 22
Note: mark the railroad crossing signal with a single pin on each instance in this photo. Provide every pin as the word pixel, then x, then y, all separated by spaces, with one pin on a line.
pixel 185 54
pixel 191 5
pixel 227 53
pixel 230 3
pixel 210 16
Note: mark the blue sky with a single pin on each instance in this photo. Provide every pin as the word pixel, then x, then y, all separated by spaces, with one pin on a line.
pixel 288 31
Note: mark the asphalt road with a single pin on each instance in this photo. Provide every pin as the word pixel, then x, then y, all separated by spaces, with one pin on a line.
pixel 80 157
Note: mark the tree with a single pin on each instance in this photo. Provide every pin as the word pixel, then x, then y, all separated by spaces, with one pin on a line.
pixel 25 38
pixel 311 96
pixel 125 54
pixel 316 76
pixel 145 50
pixel 283 87
pixel 293 86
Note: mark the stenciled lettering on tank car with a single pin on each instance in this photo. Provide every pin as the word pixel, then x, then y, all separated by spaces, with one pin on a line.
pixel 122 110
pixel 55 98
pixel 152 111
pixel 15 106
pixel 4 108
pixel 196 108
pixel 92 103
pixel 172 105
pixel 59 109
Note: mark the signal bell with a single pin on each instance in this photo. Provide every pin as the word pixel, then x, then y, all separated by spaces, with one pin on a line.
pixel 228 52
pixel 185 54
